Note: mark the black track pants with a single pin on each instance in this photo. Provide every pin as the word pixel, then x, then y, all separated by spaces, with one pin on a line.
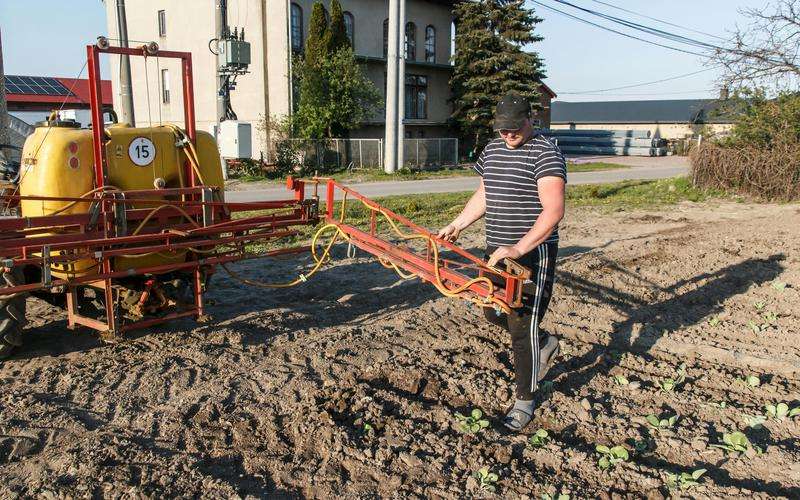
pixel 523 322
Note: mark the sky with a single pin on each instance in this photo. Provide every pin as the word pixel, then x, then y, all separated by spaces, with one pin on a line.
pixel 48 38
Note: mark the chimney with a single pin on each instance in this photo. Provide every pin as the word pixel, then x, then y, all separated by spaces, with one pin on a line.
pixel 724 94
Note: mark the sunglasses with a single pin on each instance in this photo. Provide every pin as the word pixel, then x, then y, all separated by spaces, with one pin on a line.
pixel 510 132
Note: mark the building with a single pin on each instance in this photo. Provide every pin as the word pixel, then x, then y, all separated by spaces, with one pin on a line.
pixel 667 119
pixel 32 98
pixel 276 29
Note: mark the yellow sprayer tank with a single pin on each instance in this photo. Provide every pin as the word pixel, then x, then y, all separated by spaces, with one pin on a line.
pixel 57 161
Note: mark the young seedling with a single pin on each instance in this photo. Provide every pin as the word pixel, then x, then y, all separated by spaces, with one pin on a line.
pixel 751 380
pixel 779 285
pixel 610 457
pixel 760 305
pixel 640 445
pixel 770 318
pixel 714 321
pixel 755 327
pixel 779 411
pixel 660 424
pixel 473 423
pixel 755 421
pixel 620 379
pixel 539 439
pixel 487 479
pixel 560 496
pixel 671 383
pixel 736 442
pixel 684 480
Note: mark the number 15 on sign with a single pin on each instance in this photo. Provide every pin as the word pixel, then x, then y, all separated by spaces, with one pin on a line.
pixel 142 151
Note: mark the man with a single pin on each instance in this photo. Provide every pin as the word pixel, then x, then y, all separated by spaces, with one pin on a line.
pixel 523 176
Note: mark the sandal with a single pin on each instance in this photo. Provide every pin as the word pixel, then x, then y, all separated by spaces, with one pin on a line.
pixel 517 419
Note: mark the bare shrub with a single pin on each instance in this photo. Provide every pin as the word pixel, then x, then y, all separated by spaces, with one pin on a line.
pixel 768 173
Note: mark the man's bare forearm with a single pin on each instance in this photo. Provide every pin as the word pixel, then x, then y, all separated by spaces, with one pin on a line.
pixel 473 210
pixel 541 230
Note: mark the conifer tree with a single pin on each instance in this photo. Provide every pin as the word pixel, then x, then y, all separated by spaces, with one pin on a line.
pixel 317 41
pixel 335 96
pixel 337 33
pixel 489 62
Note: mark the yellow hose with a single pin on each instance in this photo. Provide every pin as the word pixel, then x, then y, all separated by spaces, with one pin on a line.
pixel 438 283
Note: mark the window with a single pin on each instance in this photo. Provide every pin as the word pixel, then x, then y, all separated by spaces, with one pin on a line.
pixel 416 97
pixel 162 23
pixel 385 38
pixel 430 44
pixel 349 21
pixel 297 28
pixel 411 41
pixel 165 86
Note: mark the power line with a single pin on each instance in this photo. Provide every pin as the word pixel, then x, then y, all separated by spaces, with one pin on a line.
pixel 627 35
pixel 643 28
pixel 615 94
pixel 658 20
pixel 668 79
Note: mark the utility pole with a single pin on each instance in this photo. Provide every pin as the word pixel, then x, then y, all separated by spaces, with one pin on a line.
pixel 390 148
pixel 221 18
pixel 401 85
pixel 4 135
pixel 125 93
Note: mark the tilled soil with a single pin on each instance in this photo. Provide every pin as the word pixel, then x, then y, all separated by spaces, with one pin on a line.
pixel 347 386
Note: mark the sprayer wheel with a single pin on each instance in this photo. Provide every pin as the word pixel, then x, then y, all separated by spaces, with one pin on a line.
pixel 12 313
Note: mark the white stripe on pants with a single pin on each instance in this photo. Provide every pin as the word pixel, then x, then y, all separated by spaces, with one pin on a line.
pixel 541 278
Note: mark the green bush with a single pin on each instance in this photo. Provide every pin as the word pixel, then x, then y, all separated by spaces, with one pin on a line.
pixel 763 122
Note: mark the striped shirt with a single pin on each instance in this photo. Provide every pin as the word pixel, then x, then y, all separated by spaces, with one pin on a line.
pixel 512 195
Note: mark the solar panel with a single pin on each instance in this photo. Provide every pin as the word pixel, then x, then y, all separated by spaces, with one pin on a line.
pixel 35 85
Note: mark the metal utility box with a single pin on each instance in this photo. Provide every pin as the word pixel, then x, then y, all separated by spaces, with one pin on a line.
pixel 233 54
pixel 235 139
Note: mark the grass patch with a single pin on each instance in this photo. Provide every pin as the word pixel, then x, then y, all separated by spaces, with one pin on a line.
pixel 638 194
pixel 375 175
pixel 436 210
pixel 593 167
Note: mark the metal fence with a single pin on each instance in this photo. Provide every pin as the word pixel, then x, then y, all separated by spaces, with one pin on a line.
pixel 358 154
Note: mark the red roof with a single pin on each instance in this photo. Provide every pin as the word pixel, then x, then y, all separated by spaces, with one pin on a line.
pixel 78 87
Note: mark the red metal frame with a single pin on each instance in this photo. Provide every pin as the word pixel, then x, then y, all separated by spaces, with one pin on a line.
pixel 507 284
pixel 35 241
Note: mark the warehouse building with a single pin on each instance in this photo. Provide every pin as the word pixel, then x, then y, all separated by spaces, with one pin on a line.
pixel 664 119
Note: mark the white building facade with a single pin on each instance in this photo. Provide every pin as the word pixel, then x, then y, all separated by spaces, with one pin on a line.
pixel 276 29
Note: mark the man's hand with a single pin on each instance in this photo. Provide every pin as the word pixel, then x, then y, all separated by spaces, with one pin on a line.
pixel 503 253
pixel 449 233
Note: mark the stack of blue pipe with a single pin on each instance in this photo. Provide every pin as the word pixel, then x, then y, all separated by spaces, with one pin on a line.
pixel 607 142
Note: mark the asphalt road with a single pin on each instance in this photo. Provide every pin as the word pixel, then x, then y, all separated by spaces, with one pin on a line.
pixel 458 184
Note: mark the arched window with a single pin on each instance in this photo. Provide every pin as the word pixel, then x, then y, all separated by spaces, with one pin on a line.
pixel 349 22
pixel 411 41
pixel 385 38
pixel 430 44
pixel 297 28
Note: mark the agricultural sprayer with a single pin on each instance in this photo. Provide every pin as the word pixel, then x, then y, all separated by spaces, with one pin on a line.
pixel 123 227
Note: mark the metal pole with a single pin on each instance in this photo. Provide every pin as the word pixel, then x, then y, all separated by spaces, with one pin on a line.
pixel 221 21
pixel 401 87
pixel 4 132
pixel 125 88
pixel 390 151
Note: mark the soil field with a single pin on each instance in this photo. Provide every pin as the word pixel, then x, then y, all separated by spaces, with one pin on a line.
pixel 347 386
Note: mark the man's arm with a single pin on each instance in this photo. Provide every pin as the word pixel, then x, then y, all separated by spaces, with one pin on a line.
pixel 473 210
pixel 551 194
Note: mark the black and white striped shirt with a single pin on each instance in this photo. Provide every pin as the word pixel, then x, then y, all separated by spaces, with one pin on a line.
pixel 512 196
